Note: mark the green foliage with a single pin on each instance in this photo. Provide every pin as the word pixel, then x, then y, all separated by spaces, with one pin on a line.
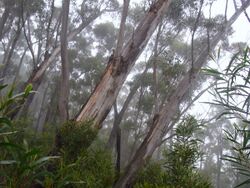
pixel 147 103
pixel 178 7
pixel 233 88
pixel 74 137
pixel 23 162
pixel 181 157
pixel 240 138
pixel 179 162
pixel 11 101
pixel 105 33
pixel 151 176
pixel 233 95
pixel 185 150
pixel 96 169
pixel 41 140
pixel 20 164
pixel 93 167
pixel 80 164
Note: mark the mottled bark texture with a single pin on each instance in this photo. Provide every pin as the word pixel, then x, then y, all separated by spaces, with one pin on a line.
pixel 105 93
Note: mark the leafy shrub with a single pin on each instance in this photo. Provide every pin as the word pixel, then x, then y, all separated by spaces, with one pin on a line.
pixel 152 175
pixel 80 165
pixel 181 157
pixel 20 164
pixel 74 137
pixel 96 168
pixel 41 140
pixel 92 168
pixel 179 162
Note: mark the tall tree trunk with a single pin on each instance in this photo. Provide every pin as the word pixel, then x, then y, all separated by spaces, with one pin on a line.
pixel 117 55
pixel 5 16
pixel 9 53
pixel 105 93
pixel 37 74
pixel 39 124
pixel 120 39
pixel 64 86
pixel 167 113
pixel 51 116
pixel 19 67
pixel 120 115
pixel 155 78
pixel 118 141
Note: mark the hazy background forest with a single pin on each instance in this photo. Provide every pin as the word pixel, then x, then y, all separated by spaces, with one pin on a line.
pixel 112 93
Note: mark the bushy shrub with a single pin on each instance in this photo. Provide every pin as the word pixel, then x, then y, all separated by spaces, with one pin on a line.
pixel 20 164
pixel 23 160
pixel 96 168
pixel 74 137
pixel 151 175
pixel 81 165
pixel 179 162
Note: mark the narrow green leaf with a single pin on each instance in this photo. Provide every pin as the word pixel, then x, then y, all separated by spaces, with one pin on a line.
pixel 43 159
pixel 27 90
pixel 243 183
pixel 7 162
pixel 4 120
pixel 3 86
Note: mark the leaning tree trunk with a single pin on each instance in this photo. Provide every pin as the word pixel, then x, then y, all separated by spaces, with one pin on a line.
pixel 105 93
pixel 5 16
pixel 10 50
pixel 167 113
pixel 119 117
pixel 37 75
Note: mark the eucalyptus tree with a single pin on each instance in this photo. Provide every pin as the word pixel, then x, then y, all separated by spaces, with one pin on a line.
pixel 14 32
pixel 48 52
pixel 168 111
pixel 168 70
pixel 64 85
pixel 105 93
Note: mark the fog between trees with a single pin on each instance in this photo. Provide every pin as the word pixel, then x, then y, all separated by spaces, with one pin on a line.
pixel 101 93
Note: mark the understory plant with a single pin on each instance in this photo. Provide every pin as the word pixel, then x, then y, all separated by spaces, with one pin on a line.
pixel 177 169
pixel 20 164
pixel 26 160
pixel 232 92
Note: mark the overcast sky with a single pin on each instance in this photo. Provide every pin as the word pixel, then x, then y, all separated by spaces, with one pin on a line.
pixel 241 26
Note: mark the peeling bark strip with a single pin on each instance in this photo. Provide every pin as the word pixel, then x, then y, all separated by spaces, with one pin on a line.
pixel 161 123
pixel 105 93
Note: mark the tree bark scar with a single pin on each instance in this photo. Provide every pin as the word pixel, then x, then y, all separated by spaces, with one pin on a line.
pixel 111 91
pixel 120 67
pixel 111 58
pixel 156 118
pixel 152 8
